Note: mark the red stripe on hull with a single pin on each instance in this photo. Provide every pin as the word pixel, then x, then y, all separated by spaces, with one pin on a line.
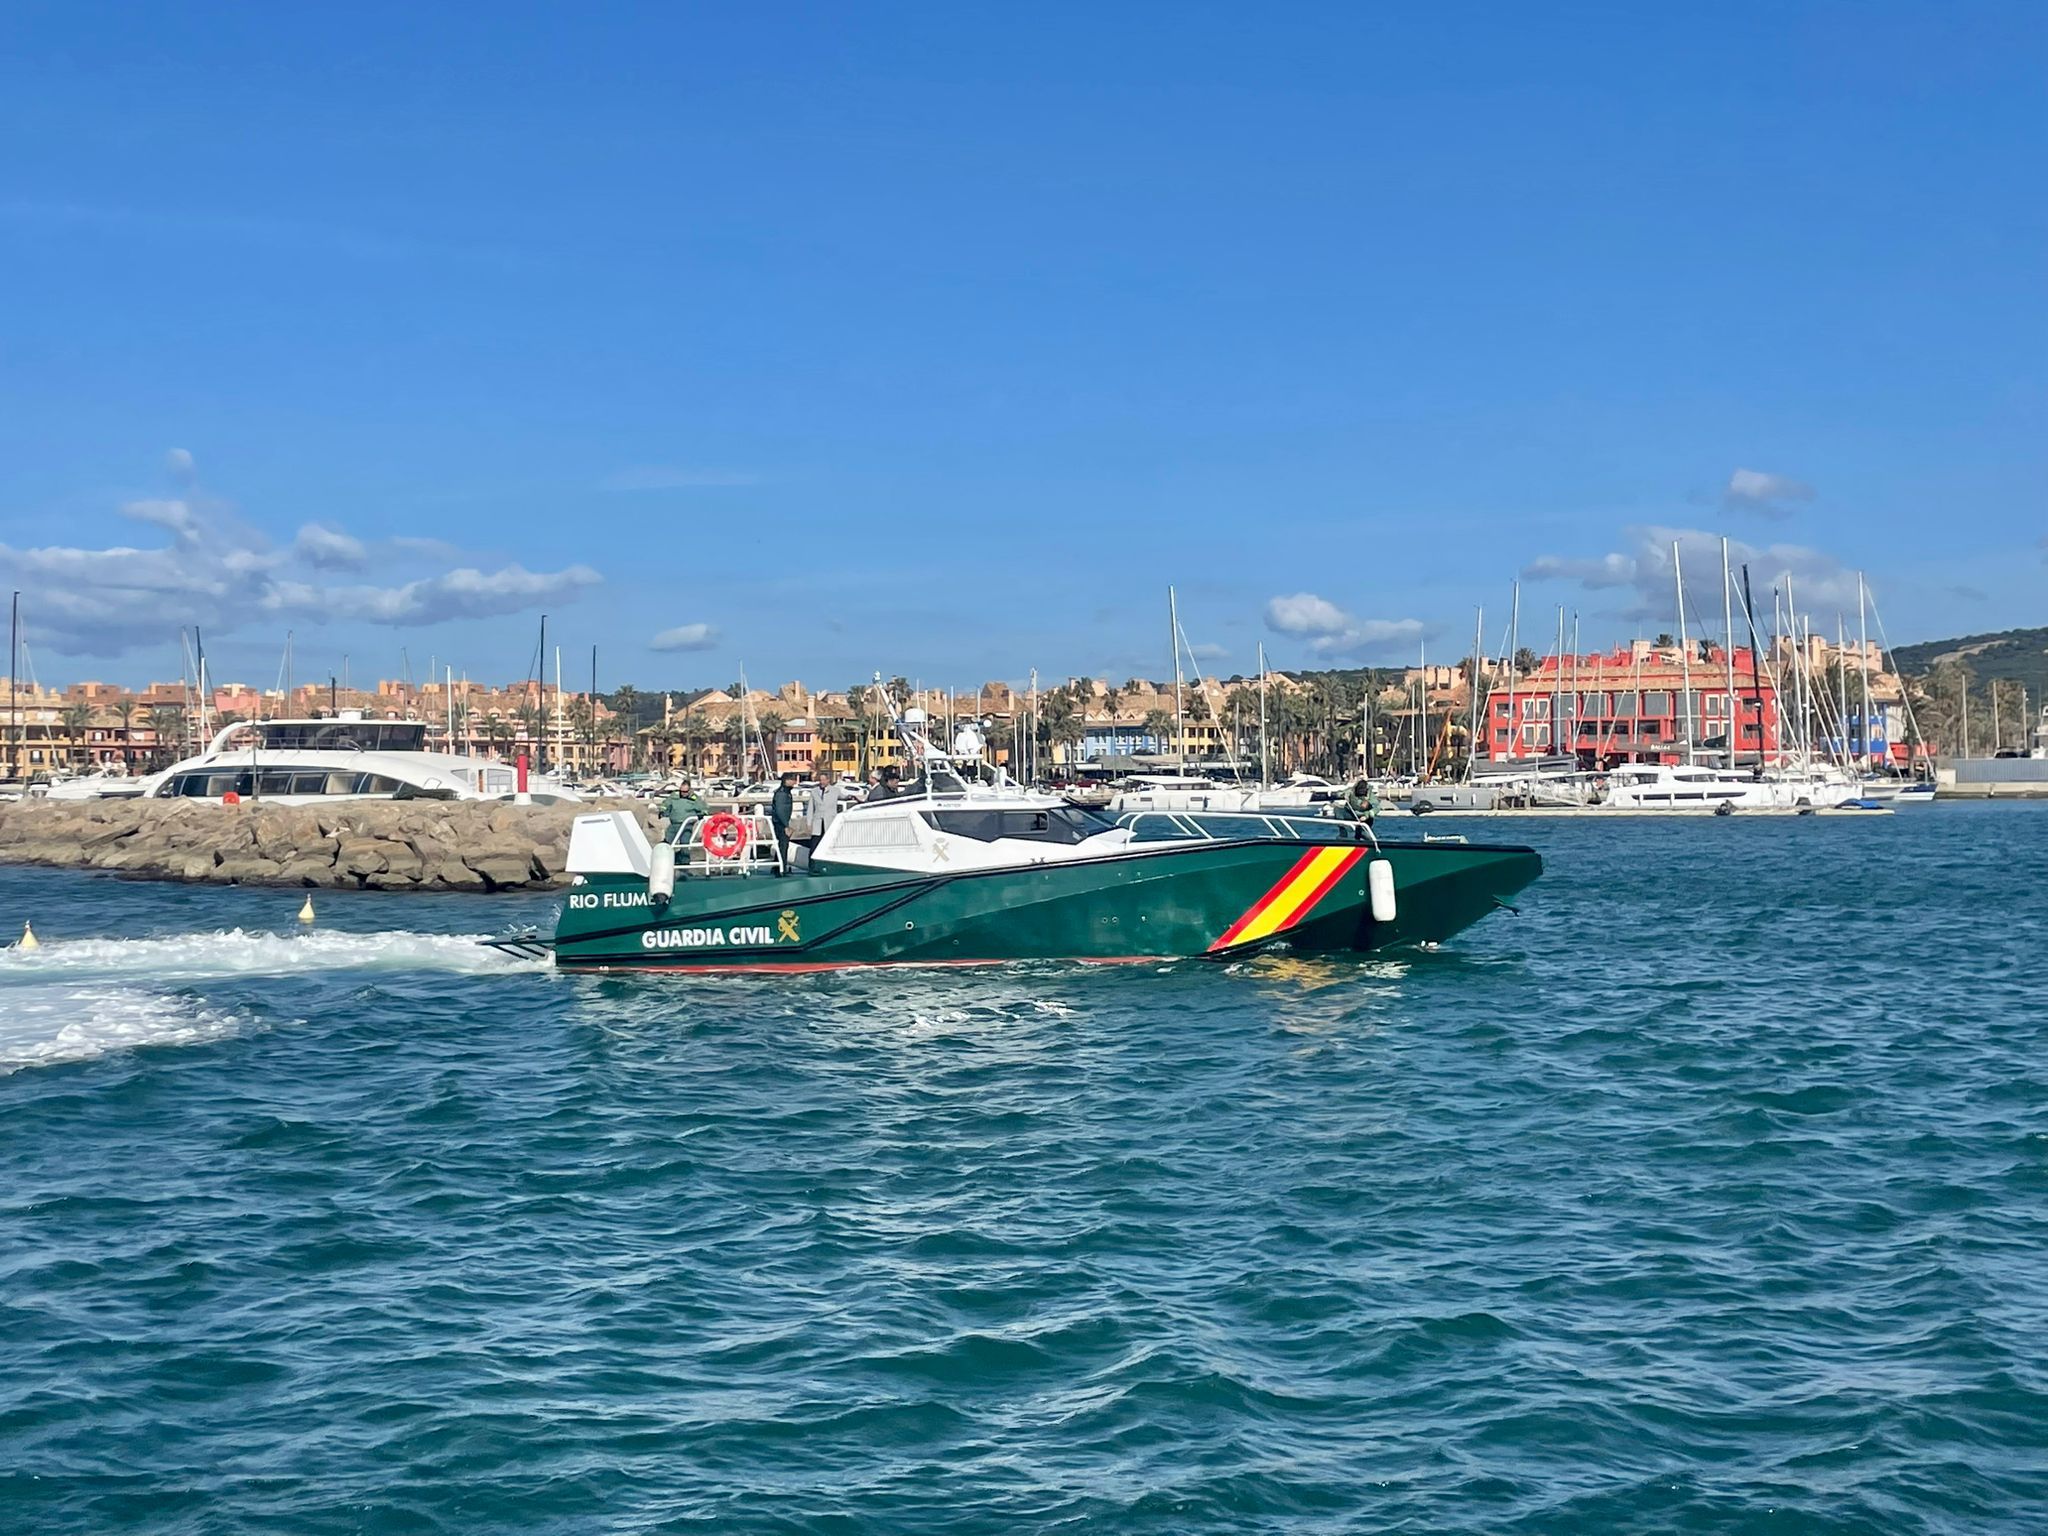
pixel 1350 862
pixel 1265 901
pixel 810 967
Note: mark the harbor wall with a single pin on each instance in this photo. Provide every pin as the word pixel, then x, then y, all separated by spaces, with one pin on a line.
pixel 1993 778
pixel 386 845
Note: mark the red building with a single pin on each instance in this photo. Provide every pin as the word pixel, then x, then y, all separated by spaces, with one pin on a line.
pixel 1633 706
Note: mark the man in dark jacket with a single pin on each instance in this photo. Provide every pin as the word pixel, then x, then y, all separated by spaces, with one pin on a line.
pixel 780 809
pixel 886 787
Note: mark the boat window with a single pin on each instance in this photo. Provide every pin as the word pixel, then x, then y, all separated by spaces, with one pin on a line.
pixel 346 735
pixel 377 784
pixel 1052 824
pixel 342 783
pixel 274 781
pixel 309 784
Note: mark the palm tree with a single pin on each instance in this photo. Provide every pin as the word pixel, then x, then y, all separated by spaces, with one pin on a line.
pixel 626 709
pixel 126 710
pixel 77 721
pixel 662 737
pixel 1060 721
pixel 695 734
pixel 860 699
pixel 167 722
pixel 1001 735
pixel 1159 726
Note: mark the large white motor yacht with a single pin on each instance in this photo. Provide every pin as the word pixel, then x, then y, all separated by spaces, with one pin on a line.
pixel 1696 787
pixel 308 762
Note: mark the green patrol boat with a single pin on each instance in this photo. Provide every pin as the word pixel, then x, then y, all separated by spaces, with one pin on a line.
pixel 964 874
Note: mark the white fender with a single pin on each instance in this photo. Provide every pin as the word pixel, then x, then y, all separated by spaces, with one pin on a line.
pixel 1379 884
pixel 661 873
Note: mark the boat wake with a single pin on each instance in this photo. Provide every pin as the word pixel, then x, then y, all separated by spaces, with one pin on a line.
pixel 41 1026
pixel 238 952
pixel 84 998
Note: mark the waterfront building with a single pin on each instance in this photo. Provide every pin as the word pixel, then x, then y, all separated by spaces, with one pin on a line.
pixel 1648 703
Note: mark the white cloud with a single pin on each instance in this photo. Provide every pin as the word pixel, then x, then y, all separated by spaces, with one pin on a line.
pixel 180 463
pixel 1756 490
pixel 329 549
pixel 461 594
pixel 1332 633
pixel 1208 650
pixel 685 637
pixel 174 515
pixel 220 576
pixel 1606 571
pixel 1306 614
pixel 1819 582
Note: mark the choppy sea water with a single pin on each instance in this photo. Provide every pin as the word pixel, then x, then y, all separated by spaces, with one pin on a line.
pixel 1710 1194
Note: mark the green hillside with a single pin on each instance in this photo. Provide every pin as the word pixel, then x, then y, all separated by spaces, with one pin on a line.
pixel 2018 654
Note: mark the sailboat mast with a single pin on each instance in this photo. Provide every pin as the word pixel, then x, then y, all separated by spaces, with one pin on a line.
pixel 1180 718
pixel 1684 656
pixel 1803 733
pixel 1636 754
pixel 1264 771
pixel 1514 655
pixel 1731 713
pixel 199 648
pixel 1571 738
pixel 1421 706
pixel 1863 672
pixel 1557 684
pixel 1756 689
pixel 1478 665
pixel 14 688
pixel 540 696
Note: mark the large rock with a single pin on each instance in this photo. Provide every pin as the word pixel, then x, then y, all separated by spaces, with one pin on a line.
pixel 248 869
pixel 388 844
pixel 362 855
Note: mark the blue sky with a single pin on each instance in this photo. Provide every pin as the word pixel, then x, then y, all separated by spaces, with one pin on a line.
pixel 938 340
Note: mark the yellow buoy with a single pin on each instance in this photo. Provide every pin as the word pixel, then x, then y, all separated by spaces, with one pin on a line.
pixel 306 912
pixel 28 938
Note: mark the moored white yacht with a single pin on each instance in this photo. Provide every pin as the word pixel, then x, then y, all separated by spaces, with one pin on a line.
pixel 1696 787
pixel 344 756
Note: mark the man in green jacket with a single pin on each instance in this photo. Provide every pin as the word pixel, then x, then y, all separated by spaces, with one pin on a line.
pixel 682 808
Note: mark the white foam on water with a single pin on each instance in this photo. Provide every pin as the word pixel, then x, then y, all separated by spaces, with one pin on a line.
pixel 236 952
pixel 42 1026
pixel 76 999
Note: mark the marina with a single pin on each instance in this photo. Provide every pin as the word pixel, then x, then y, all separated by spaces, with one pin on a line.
pixel 988 771
pixel 1492 1189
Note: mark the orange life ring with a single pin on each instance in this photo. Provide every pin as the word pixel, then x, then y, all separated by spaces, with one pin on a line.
pixel 724 836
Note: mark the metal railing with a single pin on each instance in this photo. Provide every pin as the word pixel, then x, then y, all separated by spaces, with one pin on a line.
pixel 1231 826
pixel 760 856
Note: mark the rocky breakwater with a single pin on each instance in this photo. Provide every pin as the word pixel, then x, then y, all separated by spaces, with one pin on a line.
pixel 385 845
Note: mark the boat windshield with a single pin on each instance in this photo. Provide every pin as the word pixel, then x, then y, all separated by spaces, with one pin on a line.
pixel 344 735
pixel 1048 824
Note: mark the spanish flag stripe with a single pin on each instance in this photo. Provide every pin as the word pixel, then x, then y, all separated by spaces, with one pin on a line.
pixel 1306 890
pixel 1309 903
pixel 1292 897
pixel 1252 912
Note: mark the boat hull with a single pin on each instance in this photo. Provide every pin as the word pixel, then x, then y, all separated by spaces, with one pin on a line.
pixel 1175 901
